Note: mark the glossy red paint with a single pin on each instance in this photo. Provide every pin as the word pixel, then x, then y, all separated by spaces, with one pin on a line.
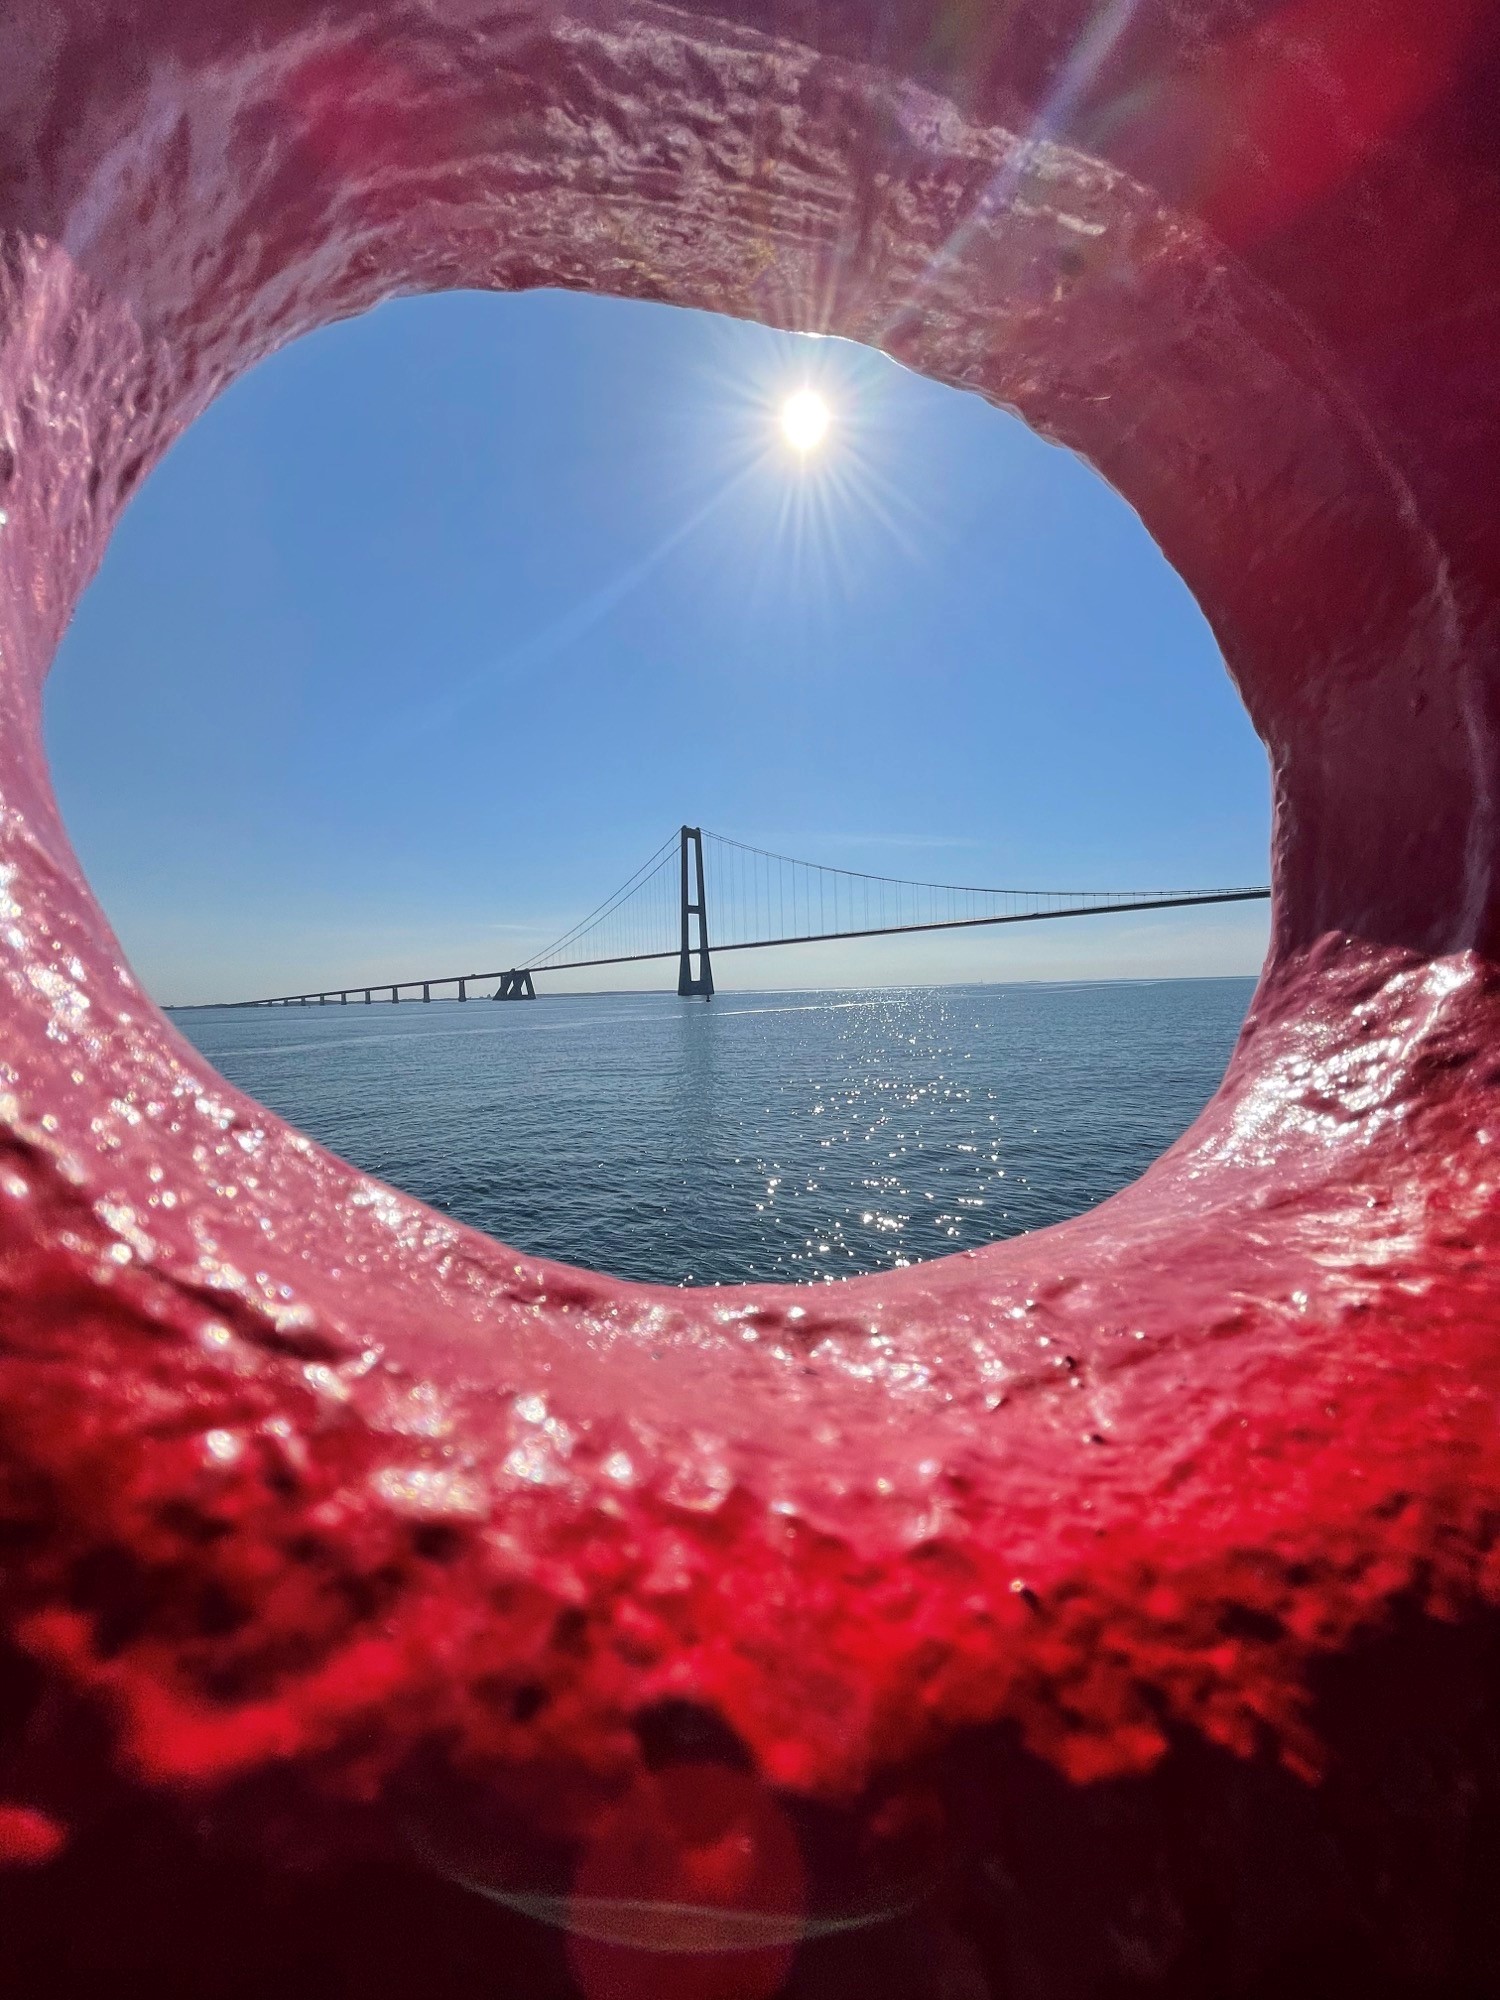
pixel 1113 1609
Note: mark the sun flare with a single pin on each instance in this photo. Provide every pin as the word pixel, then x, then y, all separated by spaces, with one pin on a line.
pixel 805 418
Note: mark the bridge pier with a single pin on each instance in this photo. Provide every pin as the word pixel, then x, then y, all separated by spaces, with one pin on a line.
pixel 687 985
pixel 463 989
pixel 367 996
pixel 395 996
pixel 427 989
pixel 515 985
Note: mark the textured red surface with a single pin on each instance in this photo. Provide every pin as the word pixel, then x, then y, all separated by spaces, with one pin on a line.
pixel 1116 1607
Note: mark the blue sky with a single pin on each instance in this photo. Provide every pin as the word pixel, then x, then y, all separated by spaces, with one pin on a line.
pixel 440 621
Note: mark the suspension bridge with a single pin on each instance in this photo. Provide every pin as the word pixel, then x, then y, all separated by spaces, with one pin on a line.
pixel 761 901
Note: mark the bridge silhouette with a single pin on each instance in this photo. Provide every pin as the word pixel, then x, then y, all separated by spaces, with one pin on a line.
pixel 761 901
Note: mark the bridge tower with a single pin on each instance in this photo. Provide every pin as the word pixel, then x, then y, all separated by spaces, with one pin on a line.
pixel 687 986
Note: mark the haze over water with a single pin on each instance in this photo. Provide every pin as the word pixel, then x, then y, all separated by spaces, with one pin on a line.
pixel 784 1136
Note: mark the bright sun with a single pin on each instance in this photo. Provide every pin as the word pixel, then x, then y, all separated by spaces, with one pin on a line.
pixel 805 418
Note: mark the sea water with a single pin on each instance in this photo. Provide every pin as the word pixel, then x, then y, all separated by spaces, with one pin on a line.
pixel 784 1136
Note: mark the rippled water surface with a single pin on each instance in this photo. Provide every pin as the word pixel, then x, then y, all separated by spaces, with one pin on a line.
pixel 783 1136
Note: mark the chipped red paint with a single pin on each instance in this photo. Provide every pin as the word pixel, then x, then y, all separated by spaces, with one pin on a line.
pixel 1111 1609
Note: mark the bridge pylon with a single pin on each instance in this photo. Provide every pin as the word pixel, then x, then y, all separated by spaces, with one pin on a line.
pixel 515 985
pixel 687 985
